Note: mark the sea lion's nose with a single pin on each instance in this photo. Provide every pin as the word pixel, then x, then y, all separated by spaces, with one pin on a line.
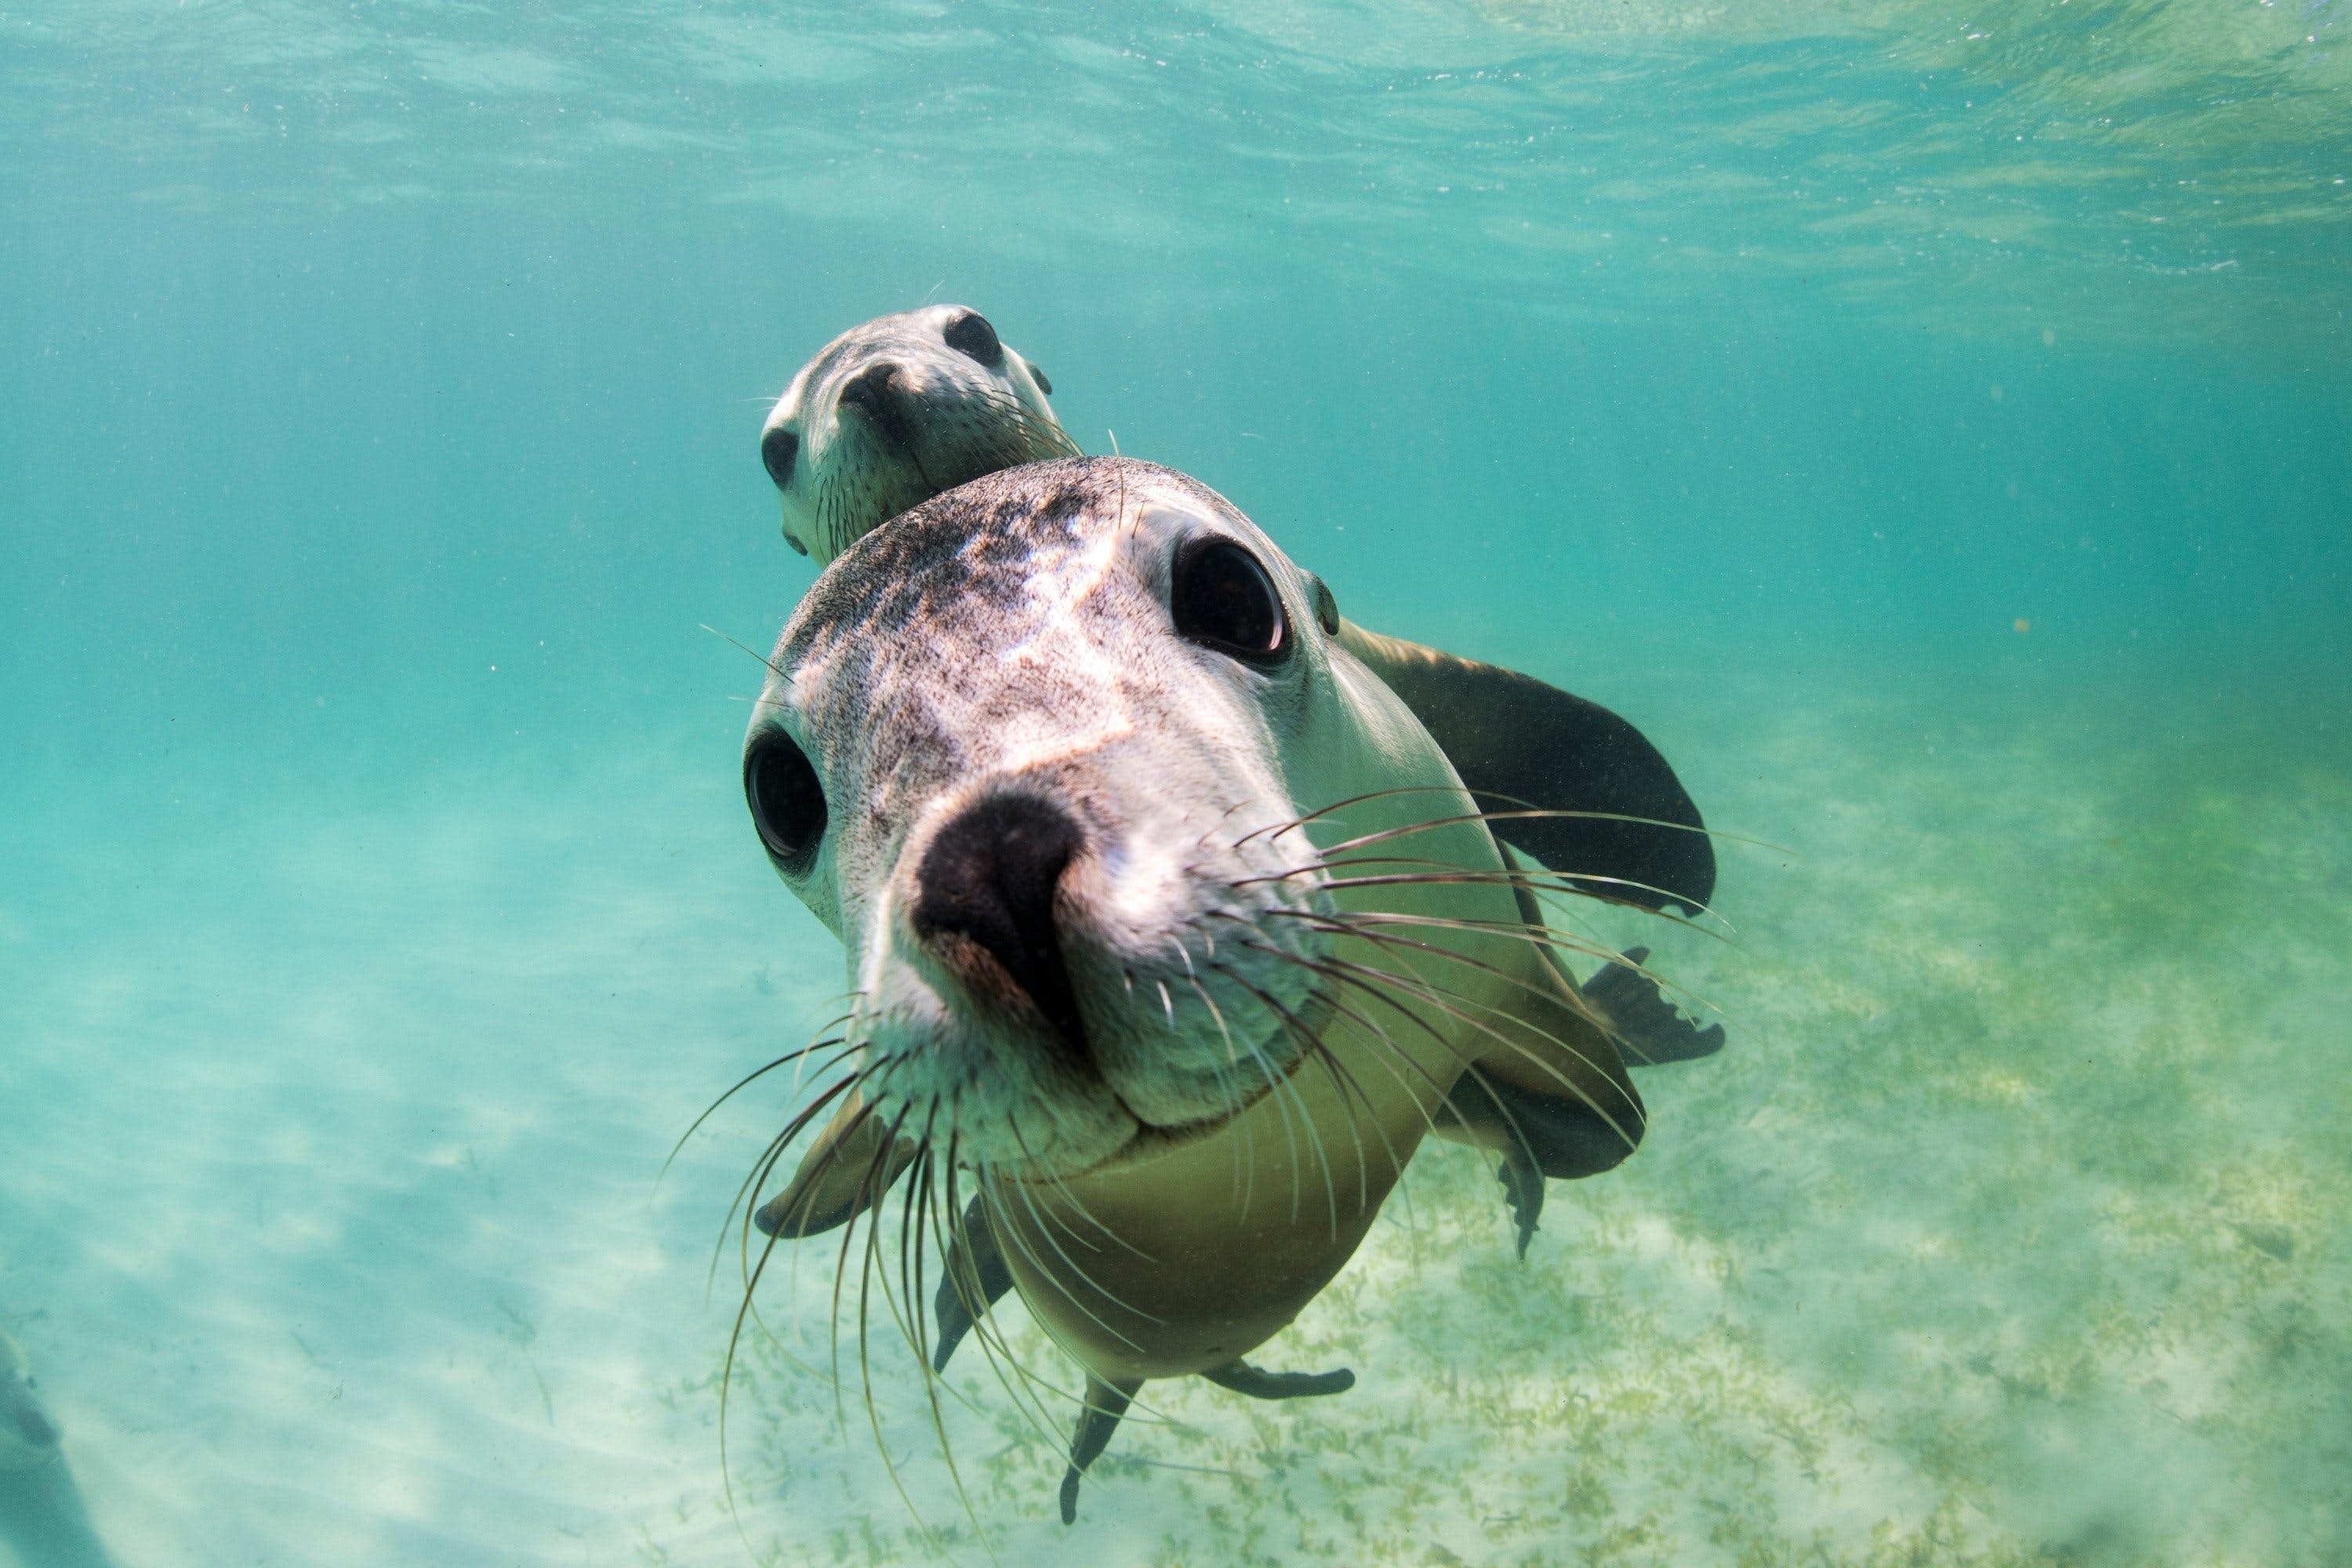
pixel 870 390
pixel 989 879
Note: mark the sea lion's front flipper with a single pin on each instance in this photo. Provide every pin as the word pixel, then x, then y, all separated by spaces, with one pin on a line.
pixel 976 1278
pixel 1105 1403
pixel 1641 1021
pixel 1260 1384
pixel 1513 737
pixel 847 1169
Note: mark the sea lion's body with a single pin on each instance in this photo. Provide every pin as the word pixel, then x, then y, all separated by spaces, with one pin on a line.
pixel 1171 942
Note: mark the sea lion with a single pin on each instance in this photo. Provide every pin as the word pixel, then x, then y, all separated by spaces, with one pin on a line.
pixel 1171 928
pixel 44 1521
pixel 891 413
pixel 28 1438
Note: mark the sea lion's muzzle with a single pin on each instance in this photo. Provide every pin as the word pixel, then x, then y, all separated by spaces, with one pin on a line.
pixel 878 392
pixel 1064 963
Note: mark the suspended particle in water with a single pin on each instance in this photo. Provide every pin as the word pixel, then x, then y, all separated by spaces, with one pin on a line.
pixel 2021 624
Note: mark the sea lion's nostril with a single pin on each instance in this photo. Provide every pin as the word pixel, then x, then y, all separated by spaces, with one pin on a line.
pixel 989 877
pixel 870 389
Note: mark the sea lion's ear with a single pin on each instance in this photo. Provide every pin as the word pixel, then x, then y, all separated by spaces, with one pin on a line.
pixel 1327 607
pixel 844 1172
pixel 1519 743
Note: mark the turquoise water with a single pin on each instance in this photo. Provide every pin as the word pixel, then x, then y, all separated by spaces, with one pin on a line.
pixel 1934 426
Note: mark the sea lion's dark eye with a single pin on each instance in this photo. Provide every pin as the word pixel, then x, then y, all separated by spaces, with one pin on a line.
pixel 1042 384
pixel 970 334
pixel 1222 598
pixel 787 801
pixel 779 449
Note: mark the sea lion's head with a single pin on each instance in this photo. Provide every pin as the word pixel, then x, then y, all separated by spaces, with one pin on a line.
pixel 28 1438
pixel 895 411
pixel 1031 752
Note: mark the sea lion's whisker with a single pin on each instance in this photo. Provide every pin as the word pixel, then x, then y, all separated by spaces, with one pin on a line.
pixel 1318 969
pixel 1345 1082
pixel 1542 879
pixel 1285 1081
pixel 1370 1025
pixel 914 1320
pixel 922 1213
pixel 1344 1078
pixel 1049 1223
pixel 852 1030
pixel 1446 1000
pixel 1567 996
pixel 1232 1087
pixel 739 1085
pixel 1581 1008
pixel 1468 1066
pixel 1558 883
pixel 1278 830
pixel 771 666
pixel 1013 1233
pixel 756 1182
pixel 1527 811
pixel 727 1382
pixel 1291 1023
pixel 993 1342
pixel 1514 930
pixel 1062 1186
pixel 865 1359
pixel 863 1210
pixel 761 1168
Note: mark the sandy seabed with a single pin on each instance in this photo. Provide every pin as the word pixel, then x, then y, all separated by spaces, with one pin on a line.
pixel 2009 1229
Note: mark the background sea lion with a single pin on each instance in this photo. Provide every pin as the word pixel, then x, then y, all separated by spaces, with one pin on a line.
pixel 891 413
pixel 28 1438
pixel 1171 927
pixel 896 411
pixel 42 1521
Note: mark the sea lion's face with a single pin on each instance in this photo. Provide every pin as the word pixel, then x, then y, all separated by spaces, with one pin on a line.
pixel 1031 750
pixel 27 1436
pixel 896 411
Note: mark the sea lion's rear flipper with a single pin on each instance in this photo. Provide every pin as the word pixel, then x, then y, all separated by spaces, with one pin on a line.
pixel 844 1171
pixel 1513 738
pixel 976 1279
pixel 1105 1403
pixel 1260 1384
pixel 1523 1190
pixel 1540 1130
pixel 1644 1025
